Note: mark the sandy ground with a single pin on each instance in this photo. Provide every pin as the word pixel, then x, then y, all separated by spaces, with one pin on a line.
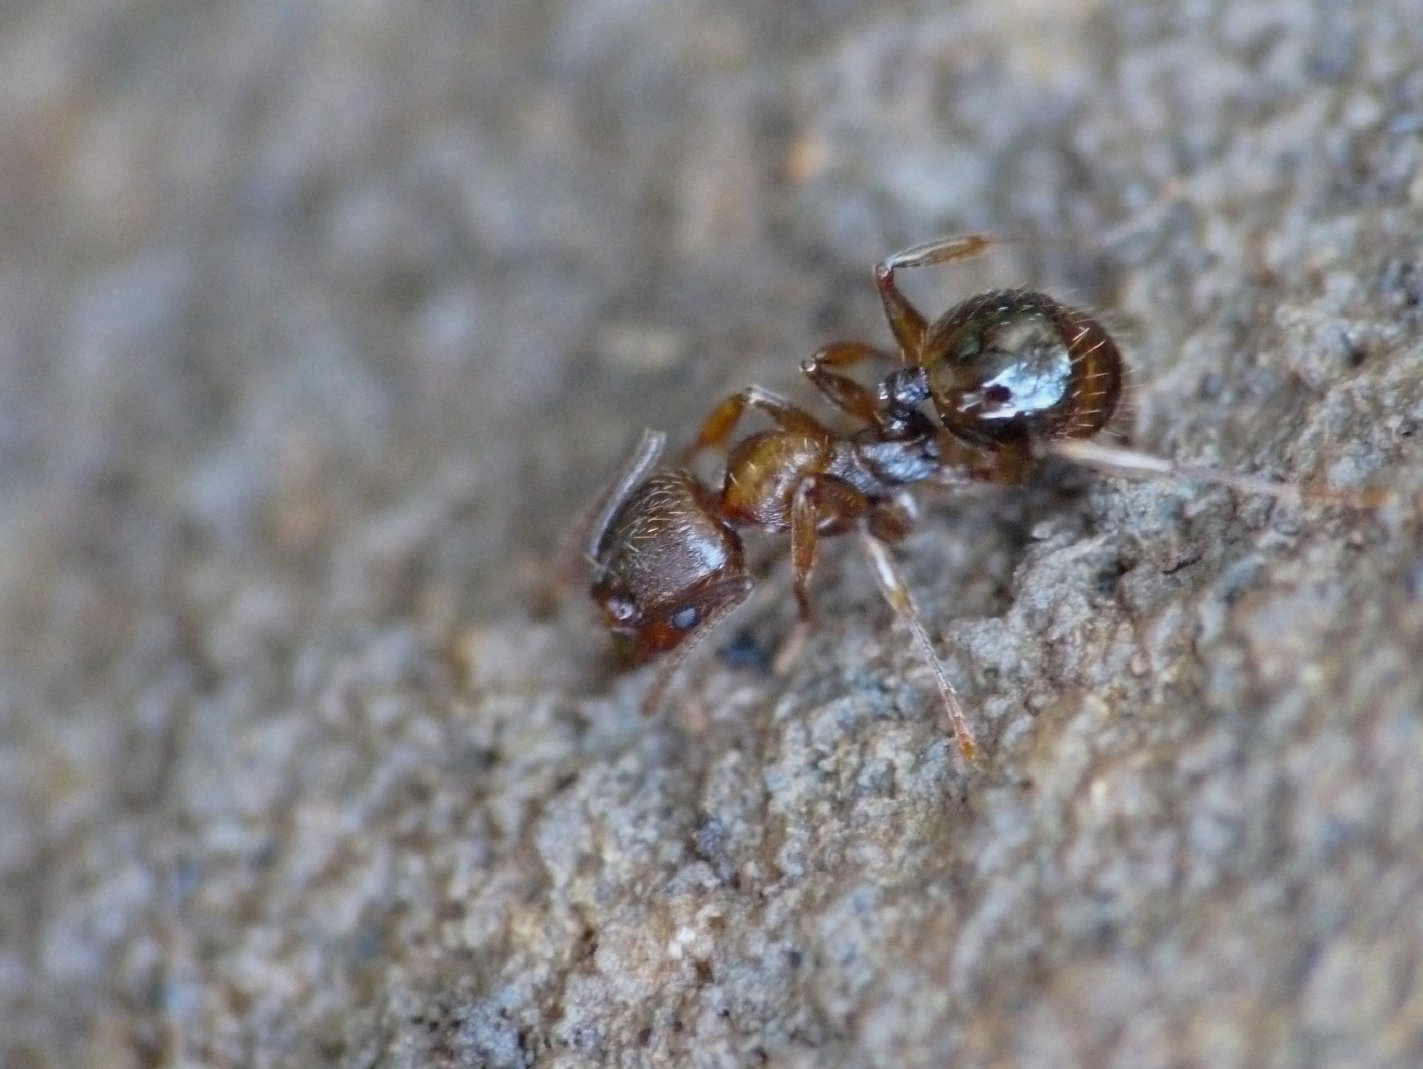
pixel 320 322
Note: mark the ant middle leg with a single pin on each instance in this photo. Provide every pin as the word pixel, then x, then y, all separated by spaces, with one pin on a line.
pixel 727 414
pixel 844 393
pixel 892 521
pixel 817 498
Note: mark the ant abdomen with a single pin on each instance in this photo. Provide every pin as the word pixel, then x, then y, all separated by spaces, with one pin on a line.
pixel 1014 365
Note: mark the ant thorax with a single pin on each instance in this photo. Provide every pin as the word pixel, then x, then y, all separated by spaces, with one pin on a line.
pixel 904 449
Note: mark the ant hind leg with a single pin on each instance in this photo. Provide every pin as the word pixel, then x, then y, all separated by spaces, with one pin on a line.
pixel 905 320
pixel 896 591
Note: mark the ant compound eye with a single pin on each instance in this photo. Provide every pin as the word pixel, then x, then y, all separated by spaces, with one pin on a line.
pixel 683 620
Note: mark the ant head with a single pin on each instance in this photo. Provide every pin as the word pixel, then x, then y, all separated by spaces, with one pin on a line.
pixel 639 637
pixel 1011 366
pixel 662 565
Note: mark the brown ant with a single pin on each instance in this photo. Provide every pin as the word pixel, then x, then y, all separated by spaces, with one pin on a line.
pixel 1013 376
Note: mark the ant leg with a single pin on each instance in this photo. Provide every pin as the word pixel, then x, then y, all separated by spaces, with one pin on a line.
pixel 805 523
pixel 812 494
pixel 962 465
pixel 725 416
pixel 817 495
pixel 892 522
pixel 581 546
pixel 1115 460
pixel 905 320
pixel 1009 463
pixel 720 599
pixel 896 592
pixel 844 393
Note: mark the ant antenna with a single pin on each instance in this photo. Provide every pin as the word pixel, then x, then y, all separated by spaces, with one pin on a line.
pixel 580 548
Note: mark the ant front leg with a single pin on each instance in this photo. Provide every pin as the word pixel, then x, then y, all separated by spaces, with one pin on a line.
pixel 817 497
pixel 905 320
pixel 725 416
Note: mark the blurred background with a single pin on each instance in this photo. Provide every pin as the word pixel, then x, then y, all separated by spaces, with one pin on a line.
pixel 319 322
pixel 272 272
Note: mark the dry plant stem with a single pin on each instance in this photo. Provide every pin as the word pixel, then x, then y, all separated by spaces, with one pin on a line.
pixel 1114 460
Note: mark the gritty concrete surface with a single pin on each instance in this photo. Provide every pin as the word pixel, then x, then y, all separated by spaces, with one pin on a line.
pixel 319 323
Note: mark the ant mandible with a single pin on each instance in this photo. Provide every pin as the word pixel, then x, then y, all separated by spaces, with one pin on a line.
pixel 1013 377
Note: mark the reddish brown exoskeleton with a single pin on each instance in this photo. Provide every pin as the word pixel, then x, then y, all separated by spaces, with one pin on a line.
pixel 1010 376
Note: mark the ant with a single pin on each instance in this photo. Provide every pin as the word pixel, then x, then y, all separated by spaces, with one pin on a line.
pixel 1013 377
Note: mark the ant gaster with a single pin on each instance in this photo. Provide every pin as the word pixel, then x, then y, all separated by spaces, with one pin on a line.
pixel 1012 376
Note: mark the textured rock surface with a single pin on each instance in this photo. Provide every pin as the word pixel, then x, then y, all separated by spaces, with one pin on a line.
pixel 318 322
